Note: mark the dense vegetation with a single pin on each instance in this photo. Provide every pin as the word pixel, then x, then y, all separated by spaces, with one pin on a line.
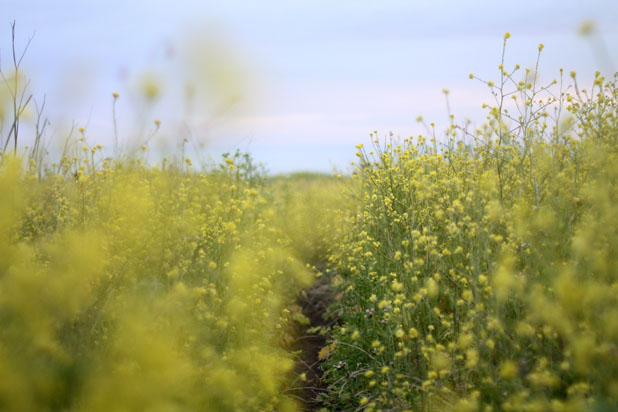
pixel 472 272
pixel 125 287
pixel 483 274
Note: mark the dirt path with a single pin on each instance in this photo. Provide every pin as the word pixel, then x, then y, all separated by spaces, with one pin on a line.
pixel 314 303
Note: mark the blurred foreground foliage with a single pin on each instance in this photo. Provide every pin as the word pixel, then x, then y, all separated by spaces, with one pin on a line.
pixel 127 287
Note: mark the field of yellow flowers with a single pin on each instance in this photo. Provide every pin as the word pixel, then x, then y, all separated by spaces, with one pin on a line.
pixel 482 274
pixel 126 287
pixel 476 271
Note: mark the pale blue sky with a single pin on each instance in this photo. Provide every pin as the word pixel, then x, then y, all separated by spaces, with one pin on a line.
pixel 317 76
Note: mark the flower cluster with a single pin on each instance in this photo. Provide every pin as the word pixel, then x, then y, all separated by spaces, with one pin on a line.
pixel 482 275
pixel 132 287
